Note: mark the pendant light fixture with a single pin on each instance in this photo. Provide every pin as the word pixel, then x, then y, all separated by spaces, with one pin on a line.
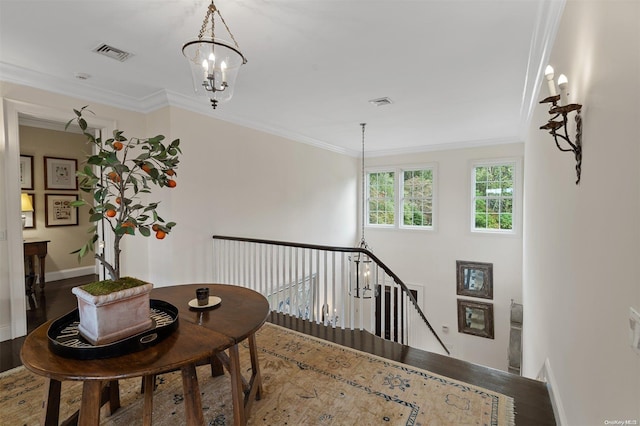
pixel 360 281
pixel 214 62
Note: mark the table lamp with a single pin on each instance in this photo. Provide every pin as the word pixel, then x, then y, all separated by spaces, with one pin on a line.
pixel 26 206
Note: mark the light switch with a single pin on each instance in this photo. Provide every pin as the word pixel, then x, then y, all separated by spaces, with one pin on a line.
pixel 634 330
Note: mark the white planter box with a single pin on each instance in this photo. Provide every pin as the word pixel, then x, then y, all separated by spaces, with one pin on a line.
pixel 115 316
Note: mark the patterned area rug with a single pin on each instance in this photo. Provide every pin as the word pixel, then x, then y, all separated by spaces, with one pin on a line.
pixel 305 380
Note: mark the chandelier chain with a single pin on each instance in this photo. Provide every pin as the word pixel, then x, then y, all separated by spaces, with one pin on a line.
pixel 211 11
pixel 363 242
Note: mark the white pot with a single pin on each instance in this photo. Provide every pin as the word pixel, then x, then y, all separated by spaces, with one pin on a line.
pixel 114 316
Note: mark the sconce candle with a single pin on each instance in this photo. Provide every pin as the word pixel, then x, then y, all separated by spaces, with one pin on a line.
pixel 563 83
pixel 548 73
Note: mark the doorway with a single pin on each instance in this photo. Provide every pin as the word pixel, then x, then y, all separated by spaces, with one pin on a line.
pixel 14 113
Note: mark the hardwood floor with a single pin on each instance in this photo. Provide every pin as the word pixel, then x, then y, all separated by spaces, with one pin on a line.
pixel 532 402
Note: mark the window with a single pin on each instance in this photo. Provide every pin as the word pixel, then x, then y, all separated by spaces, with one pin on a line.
pixel 381 198
pixel 406 194
pixel 417 201
pixel 493 197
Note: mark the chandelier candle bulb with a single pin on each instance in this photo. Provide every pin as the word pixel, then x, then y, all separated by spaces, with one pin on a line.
pixel 548 73
pixel 563 83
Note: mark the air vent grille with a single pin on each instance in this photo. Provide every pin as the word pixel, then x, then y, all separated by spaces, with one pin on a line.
pixel 112 52
pixel 381 101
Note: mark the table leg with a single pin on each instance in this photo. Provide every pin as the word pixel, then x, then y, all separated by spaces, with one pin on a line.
pixel 41 276
pixel 91 402
pixel 51 403
pixel 237 391
pixel 191 390
pixel 256 378
pixel 148 383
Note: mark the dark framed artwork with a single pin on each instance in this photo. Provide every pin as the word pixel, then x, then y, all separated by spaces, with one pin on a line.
pixel 26 172
pixel 60 173
pixel 474 279
pixel 30 217
pixel 59 211
pixel 475 318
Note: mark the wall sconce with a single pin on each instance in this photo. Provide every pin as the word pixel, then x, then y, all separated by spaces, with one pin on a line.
pixel 557 125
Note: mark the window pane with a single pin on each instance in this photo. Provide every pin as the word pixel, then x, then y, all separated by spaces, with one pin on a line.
pixel 381 198
pixel 493 200
pixel 417 190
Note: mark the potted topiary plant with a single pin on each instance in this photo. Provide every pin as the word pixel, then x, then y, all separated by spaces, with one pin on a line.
pixel 116 175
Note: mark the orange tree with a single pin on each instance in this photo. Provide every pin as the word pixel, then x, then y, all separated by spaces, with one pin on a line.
pixel 118 171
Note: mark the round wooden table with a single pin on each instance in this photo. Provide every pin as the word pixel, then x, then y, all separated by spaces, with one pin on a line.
pixel 201 334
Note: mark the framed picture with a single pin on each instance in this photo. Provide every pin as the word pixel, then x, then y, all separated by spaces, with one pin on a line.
pixel 30 217
pixel 26 172
pixel 60 173
pixel 58 210
pixel 474 279
pixel 475 318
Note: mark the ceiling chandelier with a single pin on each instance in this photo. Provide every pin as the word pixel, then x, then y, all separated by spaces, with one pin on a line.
pixel 214 62
pixel 361 280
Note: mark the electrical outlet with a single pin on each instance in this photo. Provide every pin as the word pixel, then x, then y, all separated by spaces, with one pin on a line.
pixel 634 330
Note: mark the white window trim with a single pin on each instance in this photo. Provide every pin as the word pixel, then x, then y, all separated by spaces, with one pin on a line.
pixel 399 195
pixel 517 197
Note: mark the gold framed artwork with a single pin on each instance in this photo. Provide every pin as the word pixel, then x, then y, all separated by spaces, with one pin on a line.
pixel 59 211
pixel 26 172
pixel 60 173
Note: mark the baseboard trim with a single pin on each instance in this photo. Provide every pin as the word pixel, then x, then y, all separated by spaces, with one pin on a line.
pixel 70 273
pixel 547 376
pixel 5 333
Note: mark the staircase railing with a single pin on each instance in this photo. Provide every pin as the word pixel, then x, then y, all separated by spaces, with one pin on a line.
pixel 345 287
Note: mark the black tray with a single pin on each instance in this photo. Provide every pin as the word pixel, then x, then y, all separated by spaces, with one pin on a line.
pixel 65 339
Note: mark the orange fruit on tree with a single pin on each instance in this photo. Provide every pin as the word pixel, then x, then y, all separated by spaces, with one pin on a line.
pixel 170 172
pixel 117 145
pixel 128 225
pixel 111 213
pixel 160 234
pixel 146 168
pixel 118 200
pixel 171 183
pixel 155 227
pixel 114 177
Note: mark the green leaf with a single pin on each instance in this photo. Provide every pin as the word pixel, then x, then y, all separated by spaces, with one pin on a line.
pixel 144 230
pixel 78 203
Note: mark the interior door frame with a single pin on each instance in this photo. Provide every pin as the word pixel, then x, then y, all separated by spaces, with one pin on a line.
pixel 13 110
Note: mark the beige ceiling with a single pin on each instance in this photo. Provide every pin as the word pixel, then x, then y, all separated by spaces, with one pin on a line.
pixel 459 73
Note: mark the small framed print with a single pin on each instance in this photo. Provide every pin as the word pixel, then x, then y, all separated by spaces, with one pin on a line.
pixel 475 318
pixel 59 211
pixel 26 172
pixel 60 173
pixel 30 216
pixel 474 279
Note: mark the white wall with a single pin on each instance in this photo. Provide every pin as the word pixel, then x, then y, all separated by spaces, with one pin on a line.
pixel 582 243
pixel 428 258
pixel 231 181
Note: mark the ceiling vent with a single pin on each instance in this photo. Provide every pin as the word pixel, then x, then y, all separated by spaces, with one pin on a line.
pixel 381 101
pixel 112 52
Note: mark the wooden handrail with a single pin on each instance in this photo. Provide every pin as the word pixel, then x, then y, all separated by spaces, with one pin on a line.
pixel 372 256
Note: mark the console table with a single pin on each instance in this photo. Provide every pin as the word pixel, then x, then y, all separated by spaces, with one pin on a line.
pixel 33 248
pixel 201 334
